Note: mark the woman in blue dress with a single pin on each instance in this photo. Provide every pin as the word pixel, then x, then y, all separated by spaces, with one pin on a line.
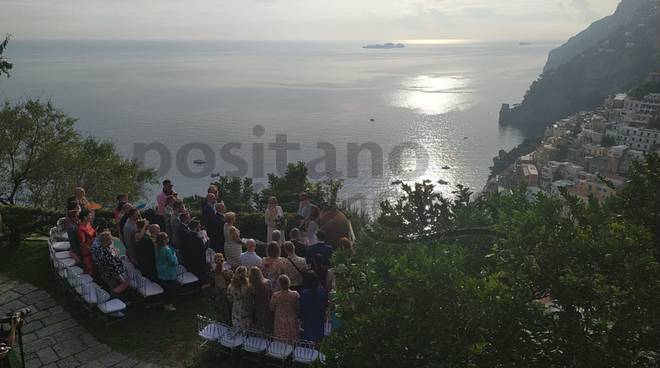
pixel 313 305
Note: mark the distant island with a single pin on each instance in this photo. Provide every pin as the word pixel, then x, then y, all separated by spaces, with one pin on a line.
pixel 388 45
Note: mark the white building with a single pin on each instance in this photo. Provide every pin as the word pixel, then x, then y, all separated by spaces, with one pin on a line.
pixel 637 138
pixel 641 112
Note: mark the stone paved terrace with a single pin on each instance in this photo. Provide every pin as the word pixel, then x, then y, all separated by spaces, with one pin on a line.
pixel 52 338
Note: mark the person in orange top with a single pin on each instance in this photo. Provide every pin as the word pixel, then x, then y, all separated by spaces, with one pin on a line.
pixel 86 235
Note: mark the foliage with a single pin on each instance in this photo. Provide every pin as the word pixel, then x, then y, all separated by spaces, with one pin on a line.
pixel 564 284
pixel 237 193
pixel 423 213
pixel 42 158
pixel 5 66
pixel 287 188
pixel 642 90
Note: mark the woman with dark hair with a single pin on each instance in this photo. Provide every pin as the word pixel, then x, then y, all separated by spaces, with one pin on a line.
pixel 237 294
pixel 260 293
pixel 313 304
pixel 284 304
pixel 86 236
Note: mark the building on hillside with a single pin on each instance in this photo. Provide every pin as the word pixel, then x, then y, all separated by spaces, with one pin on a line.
pixel 529 175
pixel 641 112
pixel 637 138
pixel 557 185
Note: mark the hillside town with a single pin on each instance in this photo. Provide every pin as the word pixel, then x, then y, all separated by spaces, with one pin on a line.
pixel 589 153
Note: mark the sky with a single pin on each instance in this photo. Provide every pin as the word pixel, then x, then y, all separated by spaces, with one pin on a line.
pixel 322 20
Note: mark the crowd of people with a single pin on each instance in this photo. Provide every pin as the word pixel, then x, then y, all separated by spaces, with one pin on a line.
pixel 286 293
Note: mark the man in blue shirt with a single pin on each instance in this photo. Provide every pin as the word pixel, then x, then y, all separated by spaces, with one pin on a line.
pixel 319 252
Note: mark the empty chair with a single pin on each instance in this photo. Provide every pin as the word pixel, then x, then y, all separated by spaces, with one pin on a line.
pixel 145 287
pixel 107 305
pixel 233 339
pixel 327 328
pixel 184 277
pixel 255 342
pixel 305 352
pixel 210 258
pixel 88 292
pixel 209 330
pixel 279 349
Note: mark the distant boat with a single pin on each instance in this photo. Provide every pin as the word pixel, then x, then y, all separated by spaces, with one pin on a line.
pixel 215 175
pixel 443 182
pixel 372 120
pixel 446 168
pixel 388 45
pixel 524 43
pixel 465 137
pixel 199 162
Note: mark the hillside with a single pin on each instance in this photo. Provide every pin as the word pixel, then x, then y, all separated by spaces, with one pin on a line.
pixel 592 66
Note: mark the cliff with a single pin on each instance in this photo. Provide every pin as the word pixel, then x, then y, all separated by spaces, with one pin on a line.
pixel 612 55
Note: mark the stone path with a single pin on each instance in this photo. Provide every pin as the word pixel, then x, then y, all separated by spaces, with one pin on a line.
pixel 52 338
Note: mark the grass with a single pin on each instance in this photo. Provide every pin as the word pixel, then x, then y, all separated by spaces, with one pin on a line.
pixel 153 335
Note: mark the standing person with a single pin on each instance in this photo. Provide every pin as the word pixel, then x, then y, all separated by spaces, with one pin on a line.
pixel 71 223
pixel 237 293
pixel 273 264
pixel 86 235
pixel 161 199
pixel 208 209
pixel 305 206
pixel 222 276
pixel 284 304
pixel 260 294
pixel 166 264
pixel 313 305
pixel 145 252
pixel 233 242
pixel 298 242
pixel 274 217
pixel 133 234
pixel 169 212
pixel 215 228
pixel 294 266
pixel 319 256
pixel 122 220
pixel 312 227
pixel 250 258
pixel 81 198
pixel 193 252
pixel 178 209
pixel 122 199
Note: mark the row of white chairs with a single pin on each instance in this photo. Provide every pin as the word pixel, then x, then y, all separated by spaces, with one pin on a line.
pixel 76 281
pixel 257 343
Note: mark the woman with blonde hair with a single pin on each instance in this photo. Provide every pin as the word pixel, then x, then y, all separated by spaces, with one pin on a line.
pixel 221 277
pixel 274 221
pixel 233 243
pixel 237 294
pixel 284 304
pixel 260 294
pixel 273 264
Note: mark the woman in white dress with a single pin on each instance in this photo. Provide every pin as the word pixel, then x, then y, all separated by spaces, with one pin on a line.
pixel 312 227
pixel 274 216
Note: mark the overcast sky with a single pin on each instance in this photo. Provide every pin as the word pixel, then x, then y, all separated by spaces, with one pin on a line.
pixel 356 20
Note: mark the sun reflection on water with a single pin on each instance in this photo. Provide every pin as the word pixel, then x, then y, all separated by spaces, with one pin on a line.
pixel 433 94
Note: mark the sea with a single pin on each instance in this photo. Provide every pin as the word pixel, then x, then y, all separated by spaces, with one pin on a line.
pixel 370 117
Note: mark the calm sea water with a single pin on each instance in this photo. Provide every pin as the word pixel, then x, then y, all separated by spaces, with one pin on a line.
pixel 241 95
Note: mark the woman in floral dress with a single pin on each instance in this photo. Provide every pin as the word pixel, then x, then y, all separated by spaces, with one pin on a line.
pixel 284 304
pixel 237 294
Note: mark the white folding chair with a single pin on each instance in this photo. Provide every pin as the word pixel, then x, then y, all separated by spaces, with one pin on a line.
pixel 184 277
pixel 279 349
pixel 145 287
pixel 108 306
pixel 233 339
pixel 327 328
pixel 255 342
pixel 305 352
pixel 209 331
pixel 210 258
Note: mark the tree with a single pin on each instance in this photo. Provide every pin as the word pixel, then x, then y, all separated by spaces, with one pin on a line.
pixel 563 284
pixel 42 158
pixel 5 66
pixel 237 193
pixel 287 188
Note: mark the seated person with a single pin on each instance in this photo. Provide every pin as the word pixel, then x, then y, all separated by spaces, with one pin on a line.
pixel 110 267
